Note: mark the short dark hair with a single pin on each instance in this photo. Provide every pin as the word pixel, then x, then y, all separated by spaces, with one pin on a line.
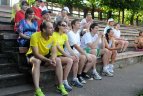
pixel 58 24
pixel 24 2
pixel 92 26
pixel 43 26
pixel 73 22
pixel 28 11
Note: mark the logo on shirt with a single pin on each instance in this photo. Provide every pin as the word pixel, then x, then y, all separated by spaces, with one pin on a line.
pixel 49 46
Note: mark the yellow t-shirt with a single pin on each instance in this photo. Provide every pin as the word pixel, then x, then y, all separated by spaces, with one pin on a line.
pixel 60 39
pixel 44 46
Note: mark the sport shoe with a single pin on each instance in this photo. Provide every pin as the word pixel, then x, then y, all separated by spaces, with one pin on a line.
pixel 38 92
pixel 76 83
pixel 107 73
pixel 87 77
pixel 62 90
pixel 67 87
pixel 81 80
pixel 111 69
pixel 97 77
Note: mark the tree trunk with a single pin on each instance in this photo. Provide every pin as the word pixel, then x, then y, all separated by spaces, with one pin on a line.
pixel 100 15
pixel 70 9
pixel 92 11
pixel 132 18
pixel 123 13
pixel 137 21
pixel 109 14
pixel 85 10
pixel 119 17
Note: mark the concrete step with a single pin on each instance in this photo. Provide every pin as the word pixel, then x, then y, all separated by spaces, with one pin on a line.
pixel 4 20
pixel 14 79
pixel 7 68
pixel 16 90
pixel 8 36
pixel 6 27
pixel 5 58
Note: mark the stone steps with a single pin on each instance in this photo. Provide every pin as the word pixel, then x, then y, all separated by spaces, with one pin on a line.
pixel 13 79
pixel 7 68
pixel 16 90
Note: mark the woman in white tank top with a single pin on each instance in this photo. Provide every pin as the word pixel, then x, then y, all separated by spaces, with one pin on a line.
pixel 110 45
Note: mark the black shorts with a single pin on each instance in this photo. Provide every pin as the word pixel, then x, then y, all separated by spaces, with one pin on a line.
pixel 42 63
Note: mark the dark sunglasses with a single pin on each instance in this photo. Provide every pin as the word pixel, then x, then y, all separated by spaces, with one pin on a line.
pixel 63 25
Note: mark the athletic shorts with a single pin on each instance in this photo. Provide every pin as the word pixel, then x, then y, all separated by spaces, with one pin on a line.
pixel 98 51
pixel 42 63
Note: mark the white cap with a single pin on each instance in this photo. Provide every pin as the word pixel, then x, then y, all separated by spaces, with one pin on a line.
pixel 67 9
pixel 110 20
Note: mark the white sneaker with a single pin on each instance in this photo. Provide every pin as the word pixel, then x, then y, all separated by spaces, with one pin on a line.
pixel 107 73
pixel 110 68
pixel 97 77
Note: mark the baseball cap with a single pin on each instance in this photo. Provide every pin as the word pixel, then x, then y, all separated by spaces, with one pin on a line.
pixel 110 20
pixel 45 11
pixel 67 9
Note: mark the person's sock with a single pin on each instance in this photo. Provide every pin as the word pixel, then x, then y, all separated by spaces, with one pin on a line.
pixel 111 65
pixel 94 71
pixel 106 67
pixel 78 75
pixel 65 82
pixel 83 74
pixel 75 79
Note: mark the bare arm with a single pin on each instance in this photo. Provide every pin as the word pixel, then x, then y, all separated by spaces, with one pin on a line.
pixel 37 55
pixel 62 51
pixel 69 48
pixel 24 36
pixel 80 50
pixel 53 52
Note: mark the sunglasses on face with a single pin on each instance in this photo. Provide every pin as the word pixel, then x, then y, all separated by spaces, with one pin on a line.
pixel 63 25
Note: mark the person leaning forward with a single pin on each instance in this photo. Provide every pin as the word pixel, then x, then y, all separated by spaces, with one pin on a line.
pixel 43 49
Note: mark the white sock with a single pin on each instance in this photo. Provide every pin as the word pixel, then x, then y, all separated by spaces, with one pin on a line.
pixel 75 79
pixel 111 66
pixel 95 72
pixel 106 67
pixel 65 82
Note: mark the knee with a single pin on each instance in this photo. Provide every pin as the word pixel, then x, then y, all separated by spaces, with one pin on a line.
pixel 70 61
pixel 36 63
pixel 83 57
pixel 91 58
pixel 58 62
pixel 126 42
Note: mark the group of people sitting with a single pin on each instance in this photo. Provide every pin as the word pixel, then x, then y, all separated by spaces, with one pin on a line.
pixel 67 46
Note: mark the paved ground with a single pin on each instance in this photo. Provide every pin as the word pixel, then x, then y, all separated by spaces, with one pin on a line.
pixel 126 82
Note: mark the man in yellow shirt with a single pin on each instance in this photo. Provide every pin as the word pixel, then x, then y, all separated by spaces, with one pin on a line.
pixel 43 49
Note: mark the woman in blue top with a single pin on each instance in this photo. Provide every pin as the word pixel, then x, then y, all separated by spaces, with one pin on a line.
pixel 27 27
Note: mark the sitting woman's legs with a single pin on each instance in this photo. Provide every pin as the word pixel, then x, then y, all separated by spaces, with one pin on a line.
pixel 68 65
